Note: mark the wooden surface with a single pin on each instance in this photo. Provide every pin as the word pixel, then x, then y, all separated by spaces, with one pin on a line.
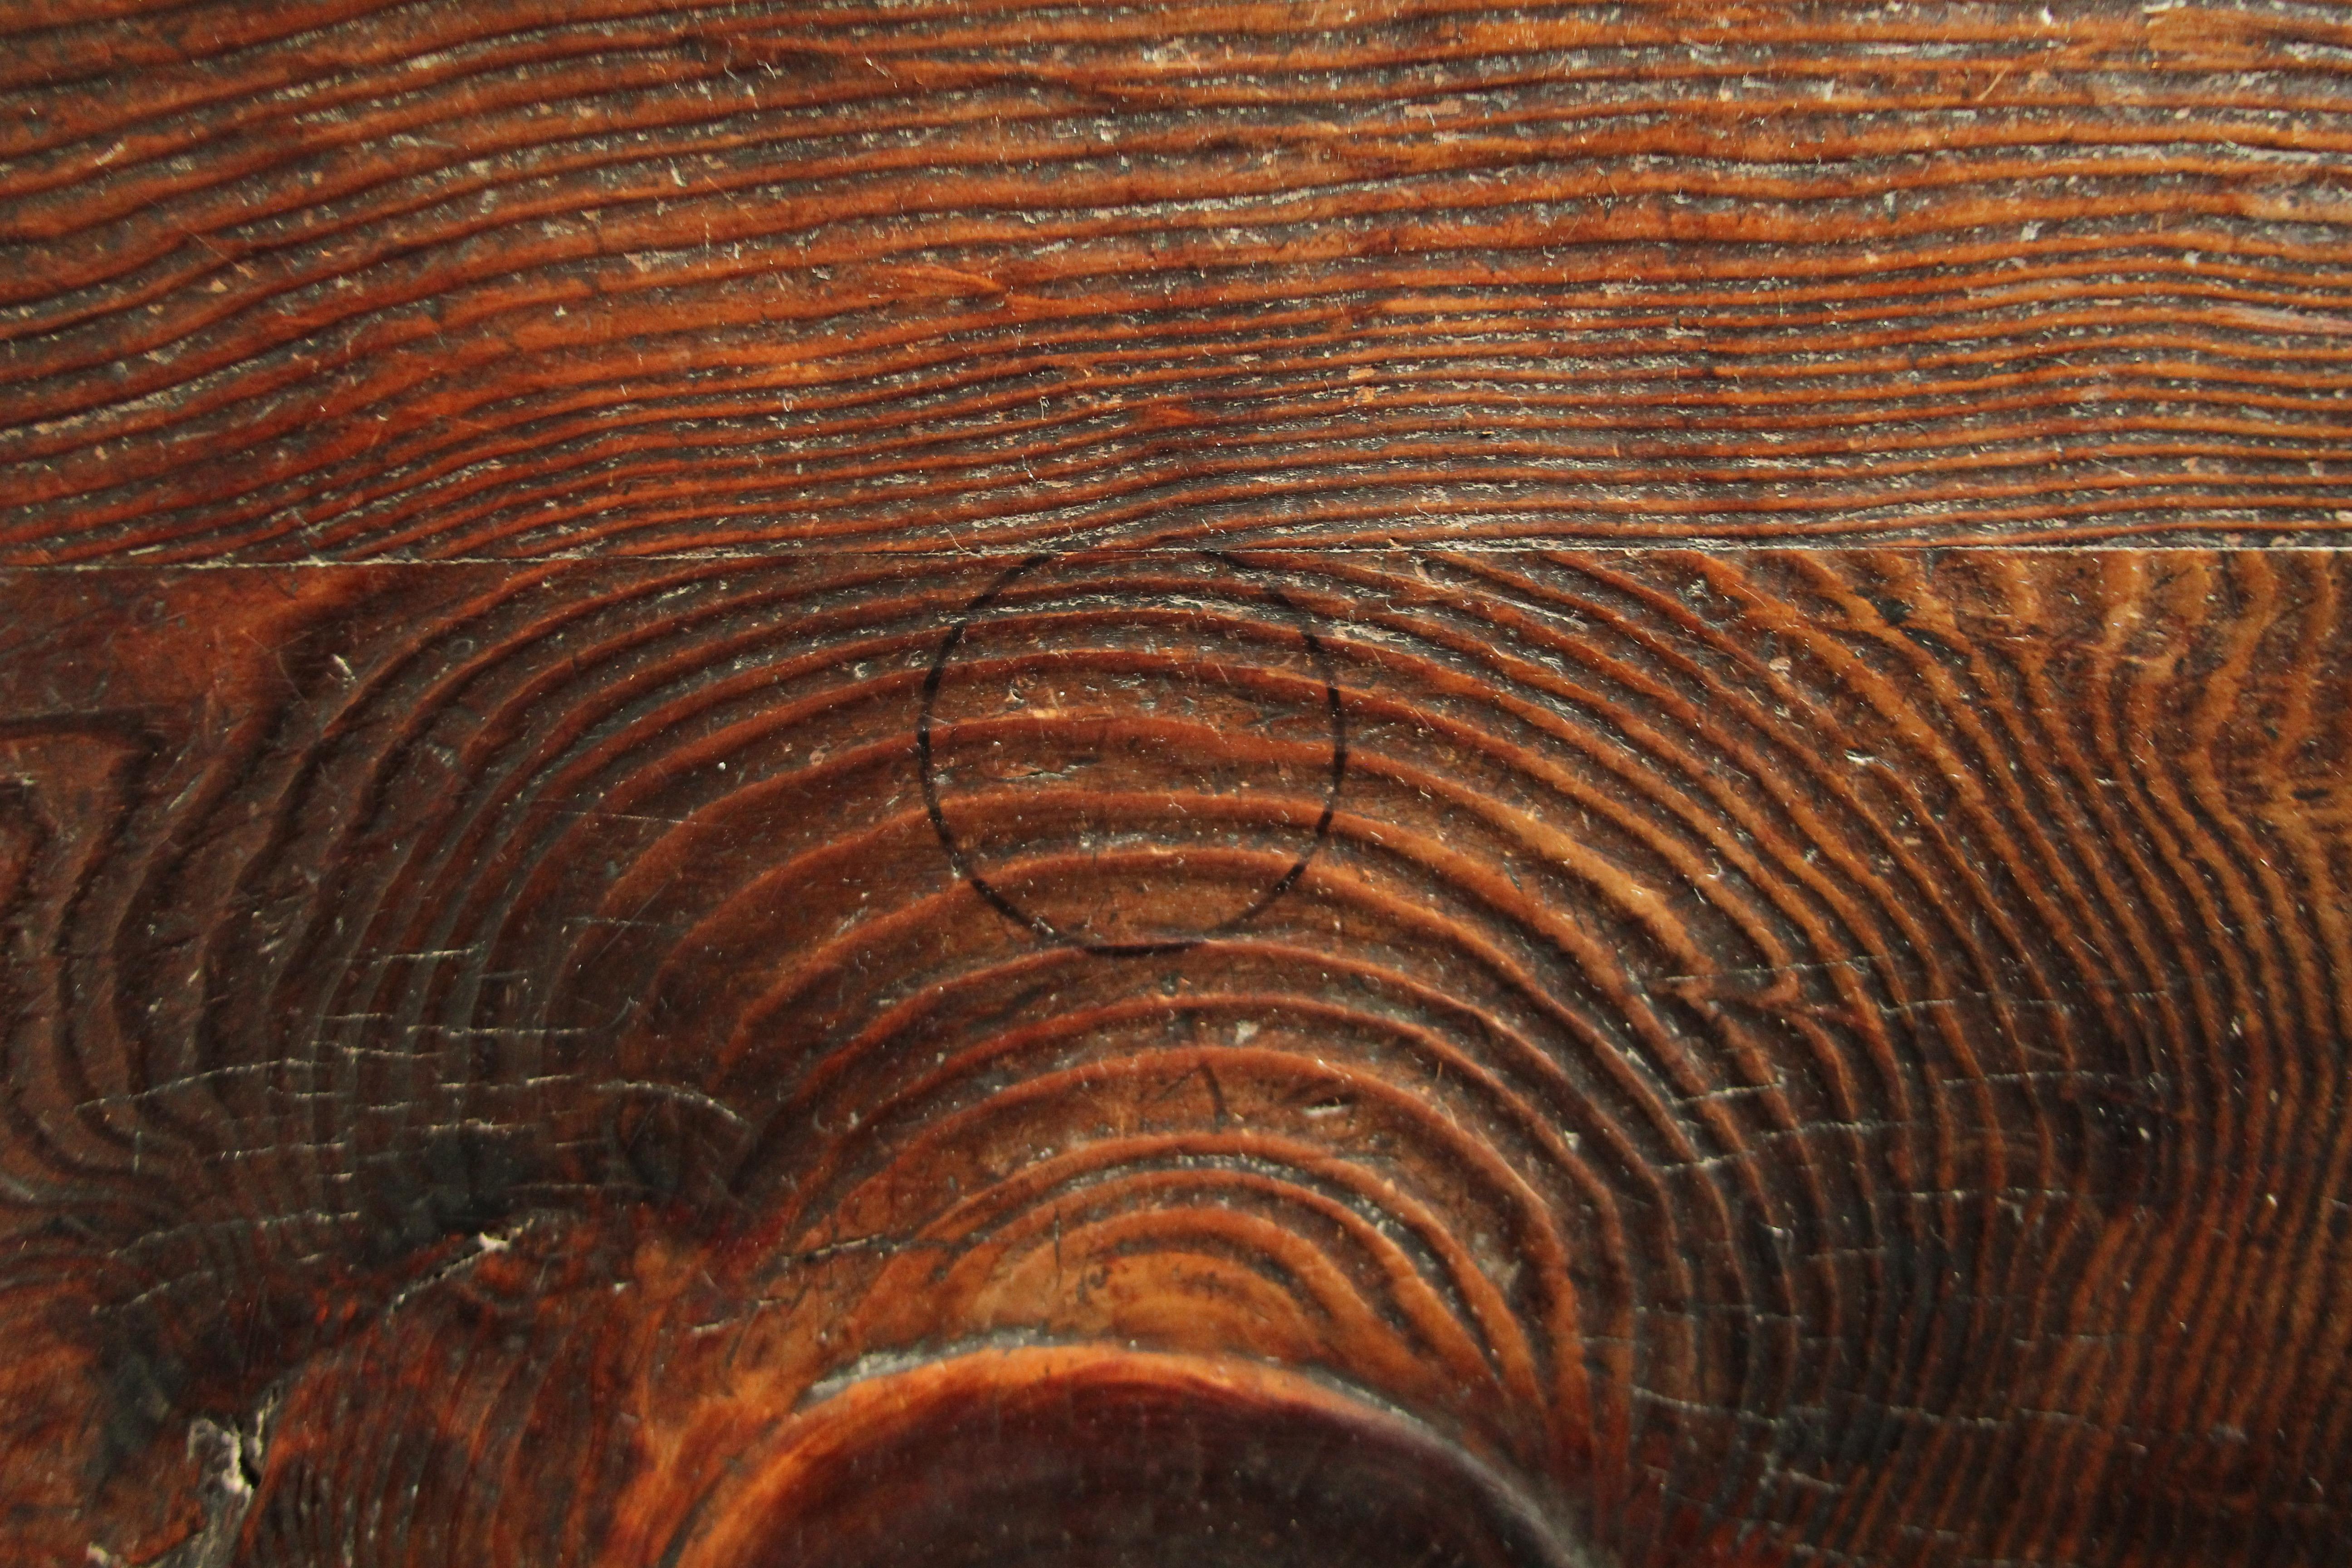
pixel 1277 785
pixel 512 279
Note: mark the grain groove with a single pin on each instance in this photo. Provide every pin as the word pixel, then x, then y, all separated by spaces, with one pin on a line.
pixel 978 782
pixel 514 280
pixel 1779 1056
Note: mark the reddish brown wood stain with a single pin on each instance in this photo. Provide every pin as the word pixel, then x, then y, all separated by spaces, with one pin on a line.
pixel 840 785
pixel 510 278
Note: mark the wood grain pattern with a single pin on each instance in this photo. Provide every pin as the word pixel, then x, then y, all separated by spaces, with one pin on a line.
pixel 521 278
pixel 1778 1058
pixel 995 784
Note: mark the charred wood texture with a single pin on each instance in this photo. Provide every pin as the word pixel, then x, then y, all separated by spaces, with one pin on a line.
pixel 838 786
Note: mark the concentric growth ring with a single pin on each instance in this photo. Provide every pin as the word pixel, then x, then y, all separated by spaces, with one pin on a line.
pixel 931 727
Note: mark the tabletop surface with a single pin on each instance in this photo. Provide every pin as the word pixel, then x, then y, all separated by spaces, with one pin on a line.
pixel 1265 784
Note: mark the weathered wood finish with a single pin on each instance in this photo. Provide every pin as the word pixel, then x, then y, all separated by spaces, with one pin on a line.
pixel 850 785
pixel 514 279
pixel 1839 1052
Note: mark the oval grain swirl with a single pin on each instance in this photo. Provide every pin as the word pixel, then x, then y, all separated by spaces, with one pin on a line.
pixel 1106 692
pixel 1781 1056
pixel 517 280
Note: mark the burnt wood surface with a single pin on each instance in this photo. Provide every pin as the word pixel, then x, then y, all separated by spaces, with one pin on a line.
pixel 1277 785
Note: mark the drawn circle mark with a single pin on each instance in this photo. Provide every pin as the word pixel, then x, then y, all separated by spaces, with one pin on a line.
pixel 1032 920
